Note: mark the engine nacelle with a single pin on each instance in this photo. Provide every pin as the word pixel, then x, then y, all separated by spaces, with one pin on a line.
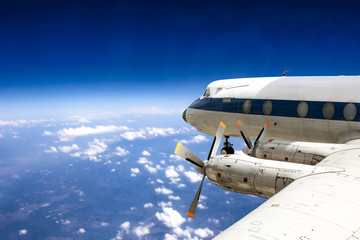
pixel 249 175
pixel 297 152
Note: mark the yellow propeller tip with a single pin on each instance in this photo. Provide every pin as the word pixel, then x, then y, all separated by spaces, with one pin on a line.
pixel 223 124
pixel 190 214
pixel 177 148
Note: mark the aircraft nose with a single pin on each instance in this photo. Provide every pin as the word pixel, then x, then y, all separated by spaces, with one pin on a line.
pixel 184 115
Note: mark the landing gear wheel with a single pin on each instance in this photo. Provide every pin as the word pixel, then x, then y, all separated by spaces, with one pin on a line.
pixel 227 149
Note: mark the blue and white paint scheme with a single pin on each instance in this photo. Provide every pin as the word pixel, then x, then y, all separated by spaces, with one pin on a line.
pixel 317 109
pixel 306 158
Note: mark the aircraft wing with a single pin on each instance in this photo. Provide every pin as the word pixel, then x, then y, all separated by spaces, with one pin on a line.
pixel 322 206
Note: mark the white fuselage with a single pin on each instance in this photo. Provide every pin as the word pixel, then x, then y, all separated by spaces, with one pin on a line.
pixel 316 109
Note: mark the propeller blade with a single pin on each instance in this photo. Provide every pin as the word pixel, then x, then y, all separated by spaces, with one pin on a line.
pixel 186 154
pixel 193 206
pixel 262 133
pixel 217 140
pixel 244 135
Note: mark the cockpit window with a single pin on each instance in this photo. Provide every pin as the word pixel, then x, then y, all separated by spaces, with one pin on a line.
pixel 206 93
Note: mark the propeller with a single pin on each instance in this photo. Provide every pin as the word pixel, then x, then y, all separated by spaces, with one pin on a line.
pixel 185 153
pixel 251 147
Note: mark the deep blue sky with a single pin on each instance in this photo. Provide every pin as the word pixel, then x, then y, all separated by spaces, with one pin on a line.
pixel 105 55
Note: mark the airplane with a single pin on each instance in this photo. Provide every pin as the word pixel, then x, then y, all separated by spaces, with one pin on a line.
pixel 305 159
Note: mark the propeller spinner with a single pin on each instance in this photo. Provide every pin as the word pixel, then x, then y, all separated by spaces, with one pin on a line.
pixel 251 147
pixel 185 153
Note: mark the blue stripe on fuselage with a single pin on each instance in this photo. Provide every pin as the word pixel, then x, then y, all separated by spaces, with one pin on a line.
pixel 281 108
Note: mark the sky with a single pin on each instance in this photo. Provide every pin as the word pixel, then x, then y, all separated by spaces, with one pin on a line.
pixel 93 91
pixel 59 58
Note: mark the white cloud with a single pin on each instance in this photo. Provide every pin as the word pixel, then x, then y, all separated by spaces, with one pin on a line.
pixel 193 176
pixel 125 226
pixel 170 237
pixel 81 230
pixel 95 148
pixel 171 197
pixel 47 133
pixel 213 220
pixel 175 157
pixel 22 122
pixel 68 134
pixel 159 181
pixel 121 152
pixel 143 230
pixel 170 217
pixel 1 136
pixel 79 119
pixel 134 171
pixel 51 150
pixel 152 132
pixel 148 205
pixel 23 232
pixel 105 224
pixel 204 232
pixel 171 172
pixel 146 153
pixel 201 206
pixel 165 204
pixel 195 139
pixel 67 149
pixel 163 190
pixel 153 111
pixel 150 169
pixel 143 160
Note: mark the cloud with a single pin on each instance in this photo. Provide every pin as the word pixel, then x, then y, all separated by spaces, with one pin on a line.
pixel 204 232
pixel 195 139
pixel 143 230
pixel 153 111
pixel 193 176
pixel 81 230
pixel 146 153
pixel 152 132
pixel 150 169
pixel 121 152
pixel 52 149
pixel 163 190
pixel 170 217
pixel 23 232
pixel 95 148
pixel 125 226
pixel 22 122
pixel 79 119
pixel 67 149
pixel 105 224
pixel 134 171
pixel 143 160
pixel 164 204
pixel 47 133
pixel 68 134
pixel 148 205
pixel 171 197
pixel 172 174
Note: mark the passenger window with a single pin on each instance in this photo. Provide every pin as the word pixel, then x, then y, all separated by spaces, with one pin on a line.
pixel 350 111
pixel 302 109
pixel 328 110
pixel 267 107
pixel 246 107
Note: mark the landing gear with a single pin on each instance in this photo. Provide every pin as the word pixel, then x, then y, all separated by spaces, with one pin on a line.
pixel 227 149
